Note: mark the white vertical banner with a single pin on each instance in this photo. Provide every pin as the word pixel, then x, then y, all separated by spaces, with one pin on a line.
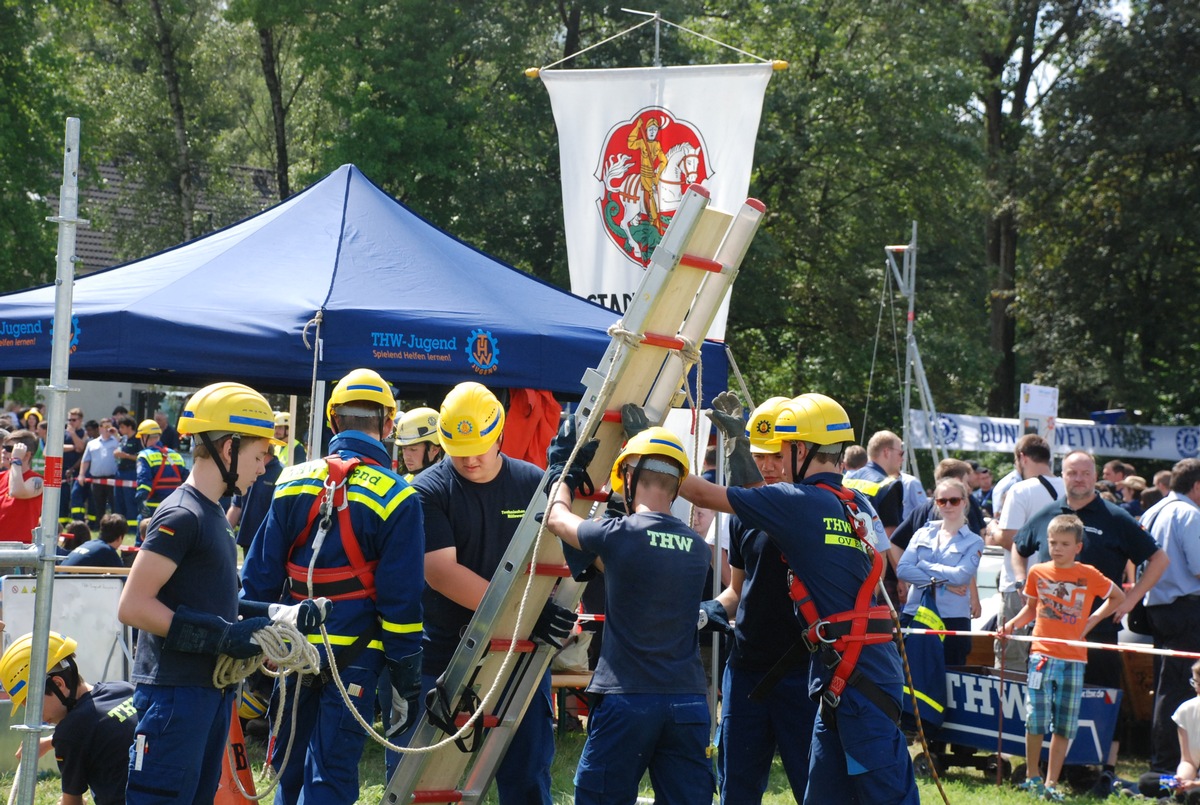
pixel 631 141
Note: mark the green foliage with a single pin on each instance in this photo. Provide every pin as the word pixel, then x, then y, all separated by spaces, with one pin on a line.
pixel 32 122
pixel 890 113
pixel 1111 308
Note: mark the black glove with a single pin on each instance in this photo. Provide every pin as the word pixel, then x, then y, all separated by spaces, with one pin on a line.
pixel 554 625
pixel 726 414
pixel 405 676
pixel 196 632
pixel 712 617
pixel 307 616
pixel 559 452
pixel 633 420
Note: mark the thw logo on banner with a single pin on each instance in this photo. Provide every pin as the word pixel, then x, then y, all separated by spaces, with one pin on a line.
pixel 646 166
pixel 631 142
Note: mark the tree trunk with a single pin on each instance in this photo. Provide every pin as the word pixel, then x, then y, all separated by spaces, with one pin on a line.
pixel 266 41
pixel 170 74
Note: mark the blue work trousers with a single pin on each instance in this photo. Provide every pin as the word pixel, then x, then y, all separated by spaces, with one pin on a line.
pixel 524 775
pixel 125 502
pixel 631 732
pixel 751 732
pixel 322 768
pixel 862 760
pixel 180 744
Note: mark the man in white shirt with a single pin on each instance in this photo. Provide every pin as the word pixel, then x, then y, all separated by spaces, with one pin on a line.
pixel 1038 488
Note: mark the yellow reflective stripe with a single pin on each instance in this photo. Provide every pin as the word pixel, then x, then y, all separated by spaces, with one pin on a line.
pixel 931 620
pixel 343 640
pixel 298 489
pixel 843 541
pixel 922 697
pixel 401 628
pixel 382 508
pixel 868 488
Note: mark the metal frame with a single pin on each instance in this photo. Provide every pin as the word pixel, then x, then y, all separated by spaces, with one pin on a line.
pixel 905 275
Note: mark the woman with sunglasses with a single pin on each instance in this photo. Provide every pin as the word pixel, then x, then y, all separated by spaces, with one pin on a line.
pixel 945 553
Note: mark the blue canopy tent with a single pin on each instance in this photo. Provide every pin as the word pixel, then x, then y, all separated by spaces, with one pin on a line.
pixel 383 288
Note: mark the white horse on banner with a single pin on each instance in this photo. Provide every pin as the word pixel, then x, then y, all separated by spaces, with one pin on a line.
pixel 624 185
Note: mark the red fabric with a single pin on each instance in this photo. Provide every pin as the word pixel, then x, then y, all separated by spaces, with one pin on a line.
pixel 530 424
pixel 19 516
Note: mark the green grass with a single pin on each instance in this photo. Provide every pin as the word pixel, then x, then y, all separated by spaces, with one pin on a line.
pixel 963 786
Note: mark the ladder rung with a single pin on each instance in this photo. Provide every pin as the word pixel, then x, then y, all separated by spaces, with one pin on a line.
pixel 543 569
pixel 595 497
pixel 449 795
pixel 665 341
pixel 702 263
pixel 611 416
pixel 487 721
pixel 498 644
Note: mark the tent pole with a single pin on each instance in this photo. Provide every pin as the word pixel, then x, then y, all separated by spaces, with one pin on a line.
pixel 288 456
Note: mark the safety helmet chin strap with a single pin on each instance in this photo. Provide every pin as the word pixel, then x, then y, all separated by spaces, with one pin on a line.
pixel 70 677
pixel 228 474
pixel 647 463
pixel 813 449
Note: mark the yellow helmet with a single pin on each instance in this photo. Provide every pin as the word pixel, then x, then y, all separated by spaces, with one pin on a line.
pixel 761 427
pixel 228 408
pixel 656 441
pixel 361 385
pixel 471 420
pixel 148 427
pixel 14 665
pixel 813 418
pixel 251 705
pixel 416 426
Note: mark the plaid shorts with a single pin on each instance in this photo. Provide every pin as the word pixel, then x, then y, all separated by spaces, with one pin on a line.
pixel 1055 705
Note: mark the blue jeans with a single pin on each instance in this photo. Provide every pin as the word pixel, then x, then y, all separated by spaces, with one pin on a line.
pixel 629 733
pixel 751 732
pixel 861 759
pixel 180 744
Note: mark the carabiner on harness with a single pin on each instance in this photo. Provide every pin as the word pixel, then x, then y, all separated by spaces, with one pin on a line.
pixel 325 510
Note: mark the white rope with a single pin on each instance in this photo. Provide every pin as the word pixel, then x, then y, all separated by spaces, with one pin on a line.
pixel 288 651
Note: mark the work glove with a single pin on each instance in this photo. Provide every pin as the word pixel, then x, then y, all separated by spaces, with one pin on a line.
pixel 554 625
pixel 405 676
pixel 559 452
pixel 633 420
pixel 713 617
pixel 195 632
pixel 307 616
pixel 726 415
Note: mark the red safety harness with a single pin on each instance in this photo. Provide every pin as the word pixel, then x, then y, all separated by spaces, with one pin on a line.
pixel 161 480
pixel 838 640
pixel 353 581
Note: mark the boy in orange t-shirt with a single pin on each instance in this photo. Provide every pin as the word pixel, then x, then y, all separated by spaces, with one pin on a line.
pixel 1060 594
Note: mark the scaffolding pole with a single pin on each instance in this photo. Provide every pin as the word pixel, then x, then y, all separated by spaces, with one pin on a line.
pixel 45 536
pixel 905 274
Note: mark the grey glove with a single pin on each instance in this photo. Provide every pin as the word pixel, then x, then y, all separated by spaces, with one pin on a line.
pixel 196 632
pixel 633 420
pixel 713 617
pixel 307 616
pixel 554 625
pixel 405 676
pixel 726 415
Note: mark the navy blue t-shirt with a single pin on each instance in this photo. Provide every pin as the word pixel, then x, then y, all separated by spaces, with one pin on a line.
pixel 654 572
pixel 809 524
pixel 190 530
pixel 766 625
pixel 95 553
pixel 92 743
pixel 478 521
pixel 1111 537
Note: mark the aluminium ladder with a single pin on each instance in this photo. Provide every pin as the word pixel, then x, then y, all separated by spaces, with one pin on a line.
pixel 647 362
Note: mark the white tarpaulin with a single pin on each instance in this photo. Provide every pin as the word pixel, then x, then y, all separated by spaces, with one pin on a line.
pixel 993 434
pixel 630 143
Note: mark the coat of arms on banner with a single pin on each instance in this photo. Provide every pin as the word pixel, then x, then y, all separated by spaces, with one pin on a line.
pixel 647 164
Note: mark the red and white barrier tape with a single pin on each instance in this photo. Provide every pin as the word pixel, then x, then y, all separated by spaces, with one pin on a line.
pixel 1130 648
pixel 109 482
